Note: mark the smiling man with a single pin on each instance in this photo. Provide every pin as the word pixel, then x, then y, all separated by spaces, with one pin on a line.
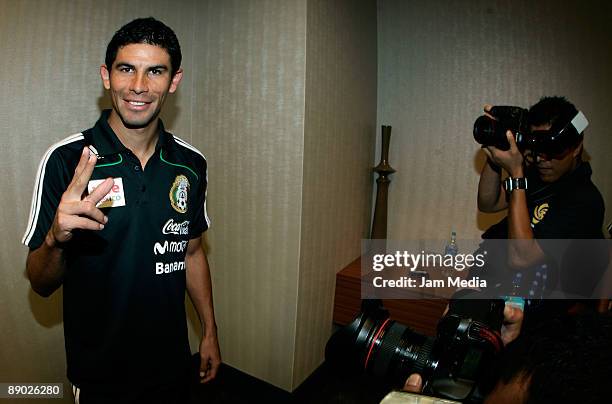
pixel 117 217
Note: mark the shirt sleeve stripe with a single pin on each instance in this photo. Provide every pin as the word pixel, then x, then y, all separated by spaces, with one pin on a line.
pixel 190 147
pixel 206 199
pixel 37 193
pixel 187 145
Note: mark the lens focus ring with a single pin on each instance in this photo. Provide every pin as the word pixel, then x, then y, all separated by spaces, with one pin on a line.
pixel 423 355
pixel 389 342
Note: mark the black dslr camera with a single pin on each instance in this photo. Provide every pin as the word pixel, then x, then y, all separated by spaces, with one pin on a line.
pixel 491 132
pixel 553 142
pixel 451 364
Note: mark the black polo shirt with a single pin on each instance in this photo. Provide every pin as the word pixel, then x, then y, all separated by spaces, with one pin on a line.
pixel 124 287
pixel 570 208
pixel 560 213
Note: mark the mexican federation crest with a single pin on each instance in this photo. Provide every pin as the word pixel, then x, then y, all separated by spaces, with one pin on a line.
pixel 178 193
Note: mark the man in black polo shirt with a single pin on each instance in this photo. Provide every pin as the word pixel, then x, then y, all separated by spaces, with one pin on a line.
pixel 117 217
pixel 557 200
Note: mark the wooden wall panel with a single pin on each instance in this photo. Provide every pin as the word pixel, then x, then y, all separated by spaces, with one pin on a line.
pixel 339 132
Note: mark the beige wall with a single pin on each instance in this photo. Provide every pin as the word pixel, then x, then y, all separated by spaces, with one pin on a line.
pixel 248 117
pixel 339 138
pixel 440 61
pixel 288 160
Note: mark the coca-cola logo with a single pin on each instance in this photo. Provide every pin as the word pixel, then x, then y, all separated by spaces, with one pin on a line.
pixel 171 227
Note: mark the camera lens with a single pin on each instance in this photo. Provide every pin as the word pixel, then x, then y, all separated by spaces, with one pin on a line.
pixel 450 364
pixel 383 348
pixel 489 132
pixel 399 352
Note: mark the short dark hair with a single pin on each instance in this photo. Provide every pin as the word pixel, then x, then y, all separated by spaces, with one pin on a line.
pixel 148 31
pixel 565 359
pixel 554 111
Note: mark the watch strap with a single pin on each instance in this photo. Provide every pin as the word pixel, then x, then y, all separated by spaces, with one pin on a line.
pixel 510 184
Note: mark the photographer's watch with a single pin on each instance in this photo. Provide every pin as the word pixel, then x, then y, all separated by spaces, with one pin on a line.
pixel 510 184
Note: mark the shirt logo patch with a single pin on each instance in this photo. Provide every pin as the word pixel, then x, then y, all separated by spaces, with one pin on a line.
pixel 176 228
pixel 178 194
pixel 538 213
pixel 171 247
pixel 115 196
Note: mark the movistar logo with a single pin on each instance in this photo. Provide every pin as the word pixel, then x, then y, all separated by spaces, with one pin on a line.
pixel 172 247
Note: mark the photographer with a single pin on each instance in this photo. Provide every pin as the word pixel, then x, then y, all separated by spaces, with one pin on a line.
pixel 575 206
pixel 548 193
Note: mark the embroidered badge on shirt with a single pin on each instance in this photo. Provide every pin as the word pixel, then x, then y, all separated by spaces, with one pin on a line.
pixel 538 213
pixel 114 198
pixel 178 193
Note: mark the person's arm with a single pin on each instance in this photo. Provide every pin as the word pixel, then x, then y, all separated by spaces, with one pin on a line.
pixel 491 196
pixel 199 287
pixel 523 250
pixel 45 265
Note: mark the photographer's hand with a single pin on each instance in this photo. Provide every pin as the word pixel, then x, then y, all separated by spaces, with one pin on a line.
pixel 414 384
pixel 491 195
pixel 510 160
pixel 511 327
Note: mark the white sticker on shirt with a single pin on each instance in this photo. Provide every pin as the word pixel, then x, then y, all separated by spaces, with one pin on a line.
pixel 116 196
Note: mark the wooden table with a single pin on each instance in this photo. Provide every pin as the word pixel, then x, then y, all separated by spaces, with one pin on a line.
pixel 421 315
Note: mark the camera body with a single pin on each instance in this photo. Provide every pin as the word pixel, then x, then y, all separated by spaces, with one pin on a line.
pixel 451 364
pixel 550 143
pixel 492 132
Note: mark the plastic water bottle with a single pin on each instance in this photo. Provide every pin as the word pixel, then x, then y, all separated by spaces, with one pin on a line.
pixel 451 248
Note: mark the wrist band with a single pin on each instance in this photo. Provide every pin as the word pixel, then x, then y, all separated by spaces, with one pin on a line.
pixel 510 184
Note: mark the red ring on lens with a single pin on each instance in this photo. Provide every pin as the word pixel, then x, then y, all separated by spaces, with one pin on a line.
pixel 381 329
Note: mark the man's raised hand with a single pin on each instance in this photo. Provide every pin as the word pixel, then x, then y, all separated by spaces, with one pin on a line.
pixel 510 160
pixel 76 211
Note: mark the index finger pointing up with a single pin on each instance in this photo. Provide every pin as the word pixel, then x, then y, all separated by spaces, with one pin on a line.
pixel 82 174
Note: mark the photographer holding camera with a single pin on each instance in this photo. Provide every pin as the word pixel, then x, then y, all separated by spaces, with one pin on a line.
pixel 548 169
pixel 548 192
pixel 549 195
